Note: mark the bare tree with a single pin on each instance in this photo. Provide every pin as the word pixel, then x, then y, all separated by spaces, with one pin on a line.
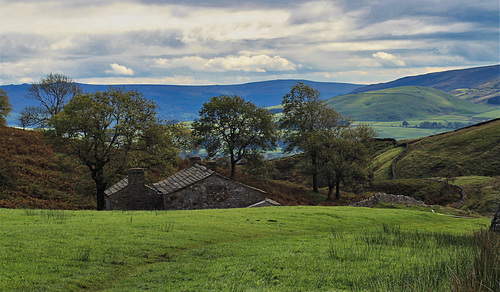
pixel 52 93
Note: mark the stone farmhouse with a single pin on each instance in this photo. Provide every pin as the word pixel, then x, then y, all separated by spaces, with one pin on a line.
pixel 196 187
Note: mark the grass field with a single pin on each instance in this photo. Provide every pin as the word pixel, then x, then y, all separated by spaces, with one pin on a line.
pixel 262 249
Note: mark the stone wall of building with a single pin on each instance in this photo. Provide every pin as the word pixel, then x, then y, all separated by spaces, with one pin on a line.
pixel 214 192
pixel 136 195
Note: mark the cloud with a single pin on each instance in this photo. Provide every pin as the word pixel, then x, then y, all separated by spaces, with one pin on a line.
pixel 388 59
pixel 119 70
pixel 244 61
pixel 228 41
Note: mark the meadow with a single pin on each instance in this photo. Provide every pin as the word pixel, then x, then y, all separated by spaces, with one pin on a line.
pixel 262 249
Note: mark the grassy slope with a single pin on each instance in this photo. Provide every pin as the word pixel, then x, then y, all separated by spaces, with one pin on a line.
pixel 402 103
pixel 262 249
pixel 470 151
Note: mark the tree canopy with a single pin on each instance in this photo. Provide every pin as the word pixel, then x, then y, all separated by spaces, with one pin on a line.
pixel 344 155
pixel 5 107
pixel 304 115
pixel 229 125
pixel 111 131
pixel 52 92
pixel 336 150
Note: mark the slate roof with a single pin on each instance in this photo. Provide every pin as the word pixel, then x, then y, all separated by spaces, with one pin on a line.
pixel 117 187
pixel 183 179
pixel 120 186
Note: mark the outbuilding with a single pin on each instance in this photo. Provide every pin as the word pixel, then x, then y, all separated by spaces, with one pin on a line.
pixel 198 187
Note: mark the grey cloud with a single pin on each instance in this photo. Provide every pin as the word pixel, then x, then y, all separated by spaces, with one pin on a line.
pixel 15 47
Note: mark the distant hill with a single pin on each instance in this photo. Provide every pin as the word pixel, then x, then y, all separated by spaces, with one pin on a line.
pixel 445 81
pixel 184 102
pixel 474 150
pixel 402 103
pixel 488 93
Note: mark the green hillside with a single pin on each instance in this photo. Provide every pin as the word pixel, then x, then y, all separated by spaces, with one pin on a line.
pixel 470 151
pixel 403 103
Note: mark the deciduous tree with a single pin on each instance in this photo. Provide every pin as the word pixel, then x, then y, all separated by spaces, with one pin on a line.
pixel 304 116
pixel 52 93
pixel 109 131
pixel 231 126
pixel 344 155
pixel 5 107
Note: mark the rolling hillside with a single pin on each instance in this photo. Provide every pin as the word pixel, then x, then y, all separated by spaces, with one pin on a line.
pixel 184 102
pixel 474 150
pixel 446 81
pixel 402 103
pixel 487 93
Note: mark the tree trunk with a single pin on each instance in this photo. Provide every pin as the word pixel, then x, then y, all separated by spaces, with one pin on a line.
pixel 315 174
pixel 101 202
pixel 97 176
pixel 330 193
pixel 337 190
pixel 233 169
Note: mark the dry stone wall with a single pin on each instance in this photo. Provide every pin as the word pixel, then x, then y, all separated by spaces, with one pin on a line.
pixel 387 198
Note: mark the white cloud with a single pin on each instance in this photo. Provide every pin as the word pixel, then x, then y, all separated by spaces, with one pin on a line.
pixel 244 61
pixel 388 59
pixel 119 70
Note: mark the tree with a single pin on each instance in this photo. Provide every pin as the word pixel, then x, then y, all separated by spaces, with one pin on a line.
pixel 110 131
pixel 229 125
pixel 304 116
pixel 345 153
pixel 52 93
pixel 183 138
pixel 5 107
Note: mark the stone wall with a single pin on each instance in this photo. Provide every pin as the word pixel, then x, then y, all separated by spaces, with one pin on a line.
pixel 136 195
pixel 387 198
pixel 214 192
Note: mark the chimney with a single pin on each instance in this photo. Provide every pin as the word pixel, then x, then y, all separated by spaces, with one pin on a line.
pixel 212 165
pixel 193 160
pixel 136 177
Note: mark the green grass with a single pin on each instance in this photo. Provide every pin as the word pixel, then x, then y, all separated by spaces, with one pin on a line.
pixel 471 151
pixel 383 163
pixel 262 249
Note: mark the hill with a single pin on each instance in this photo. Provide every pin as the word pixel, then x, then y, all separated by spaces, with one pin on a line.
pixel 445 81
pixel 487 93
pixel 403 103
pixel 183 103
pixel 474 150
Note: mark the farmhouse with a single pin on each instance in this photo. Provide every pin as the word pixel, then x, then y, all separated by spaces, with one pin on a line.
pixel 196 187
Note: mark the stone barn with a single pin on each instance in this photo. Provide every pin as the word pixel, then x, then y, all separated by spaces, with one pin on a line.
pixel 198 187
pixel 131 193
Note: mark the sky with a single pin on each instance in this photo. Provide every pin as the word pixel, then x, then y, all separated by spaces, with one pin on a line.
pixel 188 42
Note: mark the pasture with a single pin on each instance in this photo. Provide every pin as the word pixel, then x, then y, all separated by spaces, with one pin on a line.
pixel 261 249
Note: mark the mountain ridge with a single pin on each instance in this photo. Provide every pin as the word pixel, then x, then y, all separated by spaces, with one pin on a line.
pixel 182 102
pixel 445 80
